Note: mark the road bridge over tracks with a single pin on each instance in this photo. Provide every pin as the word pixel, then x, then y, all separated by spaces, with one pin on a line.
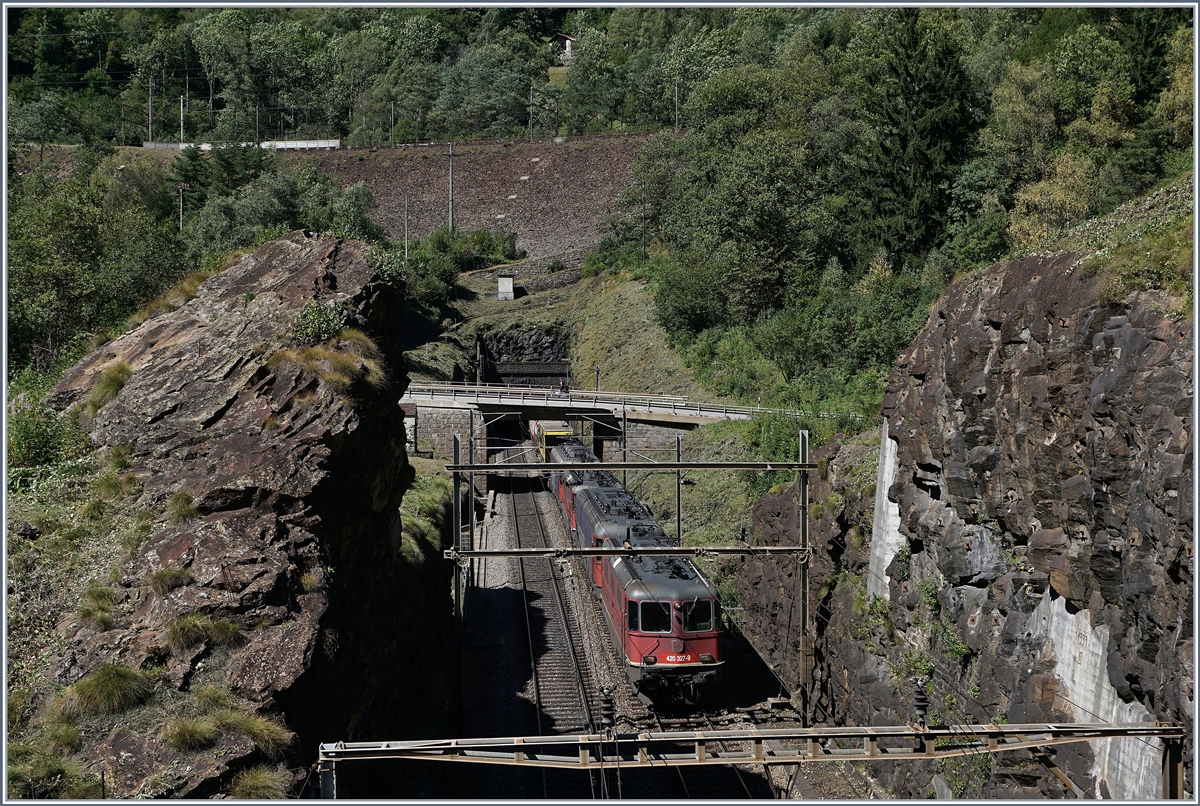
pixel 434 412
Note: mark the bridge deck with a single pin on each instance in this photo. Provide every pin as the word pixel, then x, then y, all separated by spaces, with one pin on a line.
pixel 644 408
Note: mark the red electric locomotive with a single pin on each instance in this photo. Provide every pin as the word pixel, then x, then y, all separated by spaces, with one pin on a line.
pixel 662 612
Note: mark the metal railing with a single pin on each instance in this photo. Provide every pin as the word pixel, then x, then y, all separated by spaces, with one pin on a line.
pixel 615 401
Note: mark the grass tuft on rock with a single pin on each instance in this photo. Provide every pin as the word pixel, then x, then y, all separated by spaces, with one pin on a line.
pixel 63 739
pixel 191 734
pixel 259 783
pixel 111 486
pixel 187 631
pixel 341 362
pixel 180 508
pixel 168 579
pixel 112 380
pixel 268 736
pixel 212 697
pixel 110 689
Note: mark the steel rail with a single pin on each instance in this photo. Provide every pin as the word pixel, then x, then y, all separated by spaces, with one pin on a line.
pixel 533 657
pixel 553 582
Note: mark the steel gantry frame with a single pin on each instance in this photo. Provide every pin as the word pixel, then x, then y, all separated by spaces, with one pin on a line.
pixel 756 746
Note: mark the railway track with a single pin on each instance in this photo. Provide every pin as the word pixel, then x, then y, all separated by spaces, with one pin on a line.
pixel 562 683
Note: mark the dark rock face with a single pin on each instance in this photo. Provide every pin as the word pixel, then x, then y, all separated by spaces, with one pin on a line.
pixel 296 485
pixel 1044 485
pixel 528 344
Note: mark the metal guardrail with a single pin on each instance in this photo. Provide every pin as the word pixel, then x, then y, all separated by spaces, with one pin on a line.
pixel 501 395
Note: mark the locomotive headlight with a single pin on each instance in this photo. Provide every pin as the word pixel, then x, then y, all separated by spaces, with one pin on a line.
pixel 649 660
pixel 706 658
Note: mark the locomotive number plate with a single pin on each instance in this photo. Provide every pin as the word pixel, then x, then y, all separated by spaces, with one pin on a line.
pixel 679 658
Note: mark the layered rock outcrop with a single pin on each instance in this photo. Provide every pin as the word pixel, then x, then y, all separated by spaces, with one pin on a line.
pixel 1038 564
pixel 283 471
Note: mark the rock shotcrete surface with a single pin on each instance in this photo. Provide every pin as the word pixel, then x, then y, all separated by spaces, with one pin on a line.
pixel 551 193
pixel 295 535
pixel 1040 567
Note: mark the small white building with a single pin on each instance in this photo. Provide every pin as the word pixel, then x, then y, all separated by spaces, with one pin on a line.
pixel 505 289
pixel 567 43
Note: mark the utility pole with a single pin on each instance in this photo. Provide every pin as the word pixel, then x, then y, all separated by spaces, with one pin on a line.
pixel 531 111
pixel 679 490
pixel 256 140
pixel 644 255
pixel 182 186
pixel 150 114
pixel 181 121
pixel 406 226
pixel 393 129
pixel 676 106
pixel 805 631
pixel 452 186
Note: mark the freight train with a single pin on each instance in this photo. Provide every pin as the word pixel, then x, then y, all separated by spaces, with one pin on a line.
pixel 662 612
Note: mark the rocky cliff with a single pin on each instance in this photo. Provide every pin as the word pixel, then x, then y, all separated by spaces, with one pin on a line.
pixel 271 473
pixel 1031 552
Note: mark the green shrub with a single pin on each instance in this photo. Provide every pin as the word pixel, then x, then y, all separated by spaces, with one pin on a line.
pixel 34 434
pixel 191 734
pixel 929 590
pixel 900 569
pixel 268 736
pixel 168 579
pixel 259 783
pixel 555 266
pixel 112 380
pixel 110 689
pixel 317 323
pixel 179 507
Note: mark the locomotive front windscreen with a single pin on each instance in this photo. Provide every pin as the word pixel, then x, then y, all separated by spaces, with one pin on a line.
pixel 656 616
pixel 697 616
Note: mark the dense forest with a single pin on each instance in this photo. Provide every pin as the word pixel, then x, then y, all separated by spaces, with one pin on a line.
pixel 817 177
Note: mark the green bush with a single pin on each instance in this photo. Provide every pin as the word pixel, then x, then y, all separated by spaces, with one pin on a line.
pixel 259 783
pixel 191 734
pixel 33 436
pixel 110 689
pixel 317 323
